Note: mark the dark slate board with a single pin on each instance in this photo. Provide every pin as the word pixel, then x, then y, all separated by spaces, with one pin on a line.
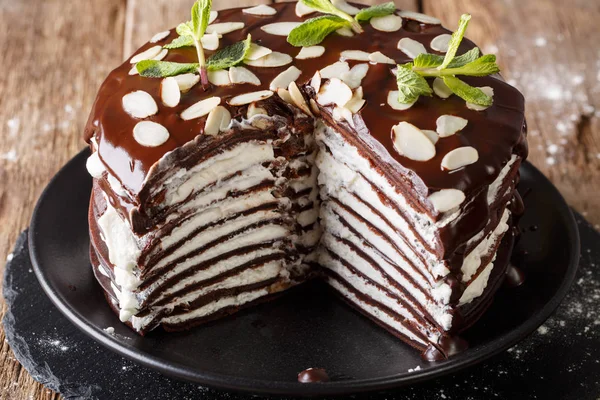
pixel 560 361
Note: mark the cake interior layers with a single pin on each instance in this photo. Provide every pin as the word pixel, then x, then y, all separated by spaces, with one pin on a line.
pixel 245 224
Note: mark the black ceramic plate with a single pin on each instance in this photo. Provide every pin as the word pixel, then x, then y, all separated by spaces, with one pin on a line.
pixel 261 350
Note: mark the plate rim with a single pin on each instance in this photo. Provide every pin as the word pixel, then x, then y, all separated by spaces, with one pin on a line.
pixel 263 387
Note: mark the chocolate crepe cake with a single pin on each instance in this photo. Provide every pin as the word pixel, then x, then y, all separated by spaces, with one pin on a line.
pixel 304 162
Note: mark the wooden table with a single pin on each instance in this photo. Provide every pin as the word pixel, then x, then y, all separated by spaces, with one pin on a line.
pixel 56 53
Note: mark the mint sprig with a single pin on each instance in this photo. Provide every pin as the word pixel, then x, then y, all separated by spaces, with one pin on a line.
pixel 447 67
pixel 313 31
pixel 326 7
pixel 379 10
pixel 230 56
pixel 200 17
pixel 410 84
pixel 163 69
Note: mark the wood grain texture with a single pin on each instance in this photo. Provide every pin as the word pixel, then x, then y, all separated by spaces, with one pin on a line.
pixel 61 51
pixel 58 52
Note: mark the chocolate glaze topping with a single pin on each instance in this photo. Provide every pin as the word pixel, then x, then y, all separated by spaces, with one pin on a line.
pixel 496 133
pixel 312 375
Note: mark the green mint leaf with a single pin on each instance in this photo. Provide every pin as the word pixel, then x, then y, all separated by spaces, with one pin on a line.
pixel 326 7
pixel 467 92
pixel 200 16
pixel 185 29
pixel 380 10
pixel 163 69
pixel 229 56
pixel 433 60
pixel 455 41
pixel 410 84
pixel 483 66
pixel 313 31
pixel 181 41
pixel 466 58
pixel 426 60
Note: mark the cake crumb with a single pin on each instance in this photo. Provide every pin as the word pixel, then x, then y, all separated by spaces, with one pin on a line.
pixel 110 330
pixel 417 368
pixel 542 330
pixel 10 257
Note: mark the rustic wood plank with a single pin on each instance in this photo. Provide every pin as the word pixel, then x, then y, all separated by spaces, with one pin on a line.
pixel 59 53
pixel 544 48
pixel 145 18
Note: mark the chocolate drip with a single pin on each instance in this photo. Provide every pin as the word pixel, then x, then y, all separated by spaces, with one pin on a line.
pixel 514 277
pixel 446 347
pixel 312 375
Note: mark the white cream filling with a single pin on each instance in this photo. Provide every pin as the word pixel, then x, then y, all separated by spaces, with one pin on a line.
pixel 94 166
pixel 375 312
pixel 472 262
pixel 240 158
pixel 247 277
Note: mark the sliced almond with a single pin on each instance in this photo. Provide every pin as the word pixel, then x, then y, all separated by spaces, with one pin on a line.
pixel 345 7
pixel 388 23
pixel 459 158
pixel 392 100
pixel 285 95
pixel 224 28
pixel 239 75
pixel 150 134
pixel 218 120
pixel 187 81
pixel 160 36
pixel 310 52
pixel 315 82
pixel 219 77
pixel 440 88
pixel 133 70
pixel 334 92
pixel 446 199
pixel 257 51
pixel 448 125
pixel 357 55
pixel 201 108
pixel 380 58
pixel 314 107
pixel 335 70
pixel 298 98
pixel 210 41
pixel 272 60
pixel 163 53
pixel 253 110
pixel 251 97
pixel 411 47
pixel 431 135
pixel 139 104
pixel 357 102
pixel 411 142
pixel 148 54
pixel 280 28
pixel 342 113
pixel 440 43
pixel 487 90
pixel 419 17
pixel 284 79
pixel 169 92
pixel 347 32
pixel 261 9
pixel 302 9
pixel 213 16
pixel 354 77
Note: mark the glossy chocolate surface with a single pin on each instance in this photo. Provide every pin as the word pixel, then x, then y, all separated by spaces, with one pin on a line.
pixel 496 133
